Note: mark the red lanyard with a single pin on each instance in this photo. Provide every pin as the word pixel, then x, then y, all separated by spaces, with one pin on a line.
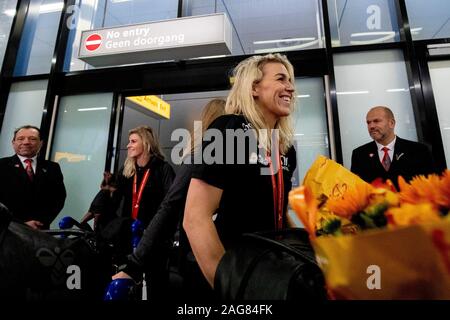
pixel 278 194
pixel 137 195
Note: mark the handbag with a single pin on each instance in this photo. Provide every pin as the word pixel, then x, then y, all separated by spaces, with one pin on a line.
pixel 278 265
pixel 51 264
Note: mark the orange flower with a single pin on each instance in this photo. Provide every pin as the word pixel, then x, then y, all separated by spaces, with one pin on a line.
pixel 443 196
pixel 409 214
pixel 421 189
pixel 352 201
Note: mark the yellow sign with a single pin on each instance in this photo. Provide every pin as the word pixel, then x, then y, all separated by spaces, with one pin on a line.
pixel 152 103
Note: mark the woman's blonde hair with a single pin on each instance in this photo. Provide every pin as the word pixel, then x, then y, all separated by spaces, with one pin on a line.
pixel 151 146
pixel 211 111
pixel 240 99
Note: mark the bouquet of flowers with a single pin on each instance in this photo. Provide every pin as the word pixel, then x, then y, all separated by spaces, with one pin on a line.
pixel 372 241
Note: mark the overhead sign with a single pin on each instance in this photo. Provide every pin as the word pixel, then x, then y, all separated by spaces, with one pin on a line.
pixel 159 108
pixel 180 38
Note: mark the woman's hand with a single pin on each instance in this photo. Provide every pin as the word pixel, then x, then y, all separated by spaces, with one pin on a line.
pixel 121 275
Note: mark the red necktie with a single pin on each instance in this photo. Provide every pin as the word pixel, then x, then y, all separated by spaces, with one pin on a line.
pixel 386 162
pixel 29 168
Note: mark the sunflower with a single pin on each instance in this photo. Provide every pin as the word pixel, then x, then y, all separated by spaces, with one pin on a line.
pixel 421 189
pixel 409 214
pixel 352 201
pixel 443 192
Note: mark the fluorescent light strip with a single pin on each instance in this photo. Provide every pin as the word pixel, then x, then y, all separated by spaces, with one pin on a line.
pixel 351 92
pixel 396 90
pixel 386 35
pixel 296 47
pixel 92 109
pixel 44 8
pixel 303 96
pixel 10 12
pixel 51 7
pixel 283 40
pixel 373 33
pixel 119 1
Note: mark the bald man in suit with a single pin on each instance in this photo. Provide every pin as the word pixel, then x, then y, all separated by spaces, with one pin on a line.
pixel 389 156
pixel 32 189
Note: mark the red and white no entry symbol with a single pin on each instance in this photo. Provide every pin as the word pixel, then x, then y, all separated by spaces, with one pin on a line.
pixel 93 42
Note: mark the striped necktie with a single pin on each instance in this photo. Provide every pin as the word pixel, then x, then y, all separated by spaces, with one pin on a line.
pixel 386 162
pixel 29 169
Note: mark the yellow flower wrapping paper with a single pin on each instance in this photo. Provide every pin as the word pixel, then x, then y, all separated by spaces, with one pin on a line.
pixel 387 264
pixel 406 262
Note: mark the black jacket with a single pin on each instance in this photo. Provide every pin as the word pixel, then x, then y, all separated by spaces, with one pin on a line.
pixel 42 199
pixel 410 159
pixel 164 224
pixel 156 188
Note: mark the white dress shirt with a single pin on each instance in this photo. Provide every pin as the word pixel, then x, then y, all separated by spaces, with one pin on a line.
pixel 390 146
pixel 33 163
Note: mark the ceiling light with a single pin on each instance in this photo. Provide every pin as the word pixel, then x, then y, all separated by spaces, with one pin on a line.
pixel 283 40
pixel 44 8
pixel 385 35
pixel 396 90
pixel 351 92
pixel 287 48
pixel 51 7
pixel 10 12
pixel 416 30
pixel 92 109
pixel 119 1
pixel 303 96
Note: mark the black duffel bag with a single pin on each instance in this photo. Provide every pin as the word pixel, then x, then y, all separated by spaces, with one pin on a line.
pixel 270 266
pixel 52 264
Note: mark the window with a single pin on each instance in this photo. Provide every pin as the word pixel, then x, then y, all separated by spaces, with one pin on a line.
pixel 368 79
pixel 440 78
pixel 358 22
pixel 7 13
pixel 263 26
pixel 429 19
pixel 38 37
pixel 79 146
pixel 25 106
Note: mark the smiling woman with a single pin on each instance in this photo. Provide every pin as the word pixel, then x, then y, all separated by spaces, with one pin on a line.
pixel 249 196
pixel 141 186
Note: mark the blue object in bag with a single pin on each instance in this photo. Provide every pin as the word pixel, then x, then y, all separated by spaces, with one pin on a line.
pixel 121 289
pixel 137 229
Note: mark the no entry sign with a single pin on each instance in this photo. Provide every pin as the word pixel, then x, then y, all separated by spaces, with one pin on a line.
pixel 93 42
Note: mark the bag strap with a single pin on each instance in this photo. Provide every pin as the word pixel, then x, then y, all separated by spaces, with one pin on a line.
pixel 294 251
pixel 247 273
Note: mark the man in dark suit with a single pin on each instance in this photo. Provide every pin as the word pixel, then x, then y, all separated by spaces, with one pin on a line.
pixel 389 156
pixel 32 189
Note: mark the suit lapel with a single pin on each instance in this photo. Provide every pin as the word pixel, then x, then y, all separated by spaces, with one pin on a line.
pixel 41 170
pixel 399 153
pixel 375 158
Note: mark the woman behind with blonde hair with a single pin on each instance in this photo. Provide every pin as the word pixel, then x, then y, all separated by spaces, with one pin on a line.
pixel 211 111
pixel 150 147
pixel 249 196
pixel 142 184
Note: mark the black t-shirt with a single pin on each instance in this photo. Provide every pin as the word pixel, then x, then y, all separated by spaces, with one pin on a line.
pixel 247 203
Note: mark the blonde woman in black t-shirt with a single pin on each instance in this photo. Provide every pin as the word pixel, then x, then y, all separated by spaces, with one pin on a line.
pixel 249 195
